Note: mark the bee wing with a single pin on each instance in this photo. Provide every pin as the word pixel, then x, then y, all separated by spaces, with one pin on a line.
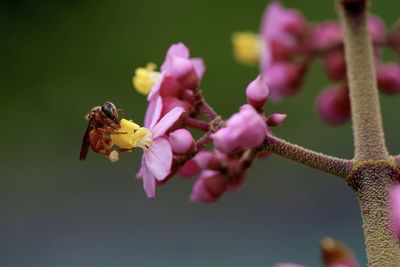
pixel 86 141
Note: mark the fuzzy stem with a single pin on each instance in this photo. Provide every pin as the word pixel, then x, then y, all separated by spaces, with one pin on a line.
pixel 319 161
pixel 366 115
pixel 372 182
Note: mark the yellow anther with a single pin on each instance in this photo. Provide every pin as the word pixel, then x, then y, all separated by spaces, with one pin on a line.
pixel 246 47
pixel 131 135
pixel 145 78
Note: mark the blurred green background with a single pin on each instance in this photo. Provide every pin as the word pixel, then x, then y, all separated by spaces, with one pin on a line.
pixel 60 58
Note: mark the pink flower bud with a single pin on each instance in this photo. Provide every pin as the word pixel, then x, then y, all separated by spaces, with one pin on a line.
pixel 335 65
pixel 181 141
pixel 283 79
pixel 395 210
pixel 275 119
pixel 209 187
pixel 183 71
pixel 327 35
pixel 257 93
pixel 169 103
pixel 388 76
pixel 197 164
pixel 333 105
pixel 376 28
pixel 245 129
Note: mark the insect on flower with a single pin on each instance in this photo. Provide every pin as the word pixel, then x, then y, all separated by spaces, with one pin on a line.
pixel 103 121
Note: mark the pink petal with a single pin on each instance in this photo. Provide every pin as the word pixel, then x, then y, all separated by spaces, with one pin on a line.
pixel 175 50
pixel 149 182
pixel 156 88
pixel 156 113
pixel 158 158
pixel 199 66
pixel 166 122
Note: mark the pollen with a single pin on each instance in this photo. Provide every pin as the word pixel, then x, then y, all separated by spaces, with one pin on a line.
pixel 246 47
pixel 131 135
pixel 145 78
pixel 114 156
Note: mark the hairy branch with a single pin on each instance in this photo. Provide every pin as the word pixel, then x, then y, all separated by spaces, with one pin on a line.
pixel 319 161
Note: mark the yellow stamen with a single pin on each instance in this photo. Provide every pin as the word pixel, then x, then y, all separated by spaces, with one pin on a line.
pixel 131 135
pixel 246 47
pixel 145 78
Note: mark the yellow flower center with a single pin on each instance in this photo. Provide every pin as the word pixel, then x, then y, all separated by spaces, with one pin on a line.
pixel 131 135
pixel 246 47
pixel 145 78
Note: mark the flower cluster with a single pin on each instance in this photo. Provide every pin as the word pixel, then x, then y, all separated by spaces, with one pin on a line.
pixel 175 105
pixel 287 44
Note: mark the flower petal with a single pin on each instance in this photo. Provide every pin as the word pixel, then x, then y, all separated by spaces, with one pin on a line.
pixel 166 122
pixel 199 66
pixel 149 182
pixel 155 114
pixel 158 158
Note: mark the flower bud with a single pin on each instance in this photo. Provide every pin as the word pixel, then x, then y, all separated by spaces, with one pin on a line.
pixel 335 254
pixel 183 71
pixel 197 164
pixel 283 79
pixel 333 105
pixel 276 119
pixel 209 187
pixel 181 141
pixel 245 129
pixel 395 210
pixel 169 103
pixel 327 35
pixel 388 76
pixel 335 65
pixel 257 93
pixel 376 28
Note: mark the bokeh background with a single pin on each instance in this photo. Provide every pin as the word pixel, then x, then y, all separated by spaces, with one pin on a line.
pixel 60 58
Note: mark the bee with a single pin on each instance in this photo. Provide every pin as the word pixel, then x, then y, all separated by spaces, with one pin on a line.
pixel 102 122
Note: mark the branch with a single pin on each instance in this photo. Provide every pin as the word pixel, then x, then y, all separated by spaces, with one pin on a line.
pixel 365 108
pixel 319 161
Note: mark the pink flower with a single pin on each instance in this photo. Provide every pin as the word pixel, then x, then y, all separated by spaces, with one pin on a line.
pixel 395 209
pixel 327 35
pixel 209 187
pixel 333 105
pixel 257 93
pixel 196 164
pixel 157 158
pixel 283 79
pixel 335 65
pixel 245 129
pixel 186 71
pixel 388 76
pixel 276 119
pixel 281 29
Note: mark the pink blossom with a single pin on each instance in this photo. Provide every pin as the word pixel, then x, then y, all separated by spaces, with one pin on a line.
pixel 376 28
pixel 388 76
pixel 197 164
pixel 181 141
pixel 283 79
pixel 327 35
pixel 186 71
pixel 395 209
pixel 257 93
pixel 335 65
pixel 157 159
pixel 281 29
pixel 209 187
pixel 333 105
pixel 276 119
pixel 245 129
